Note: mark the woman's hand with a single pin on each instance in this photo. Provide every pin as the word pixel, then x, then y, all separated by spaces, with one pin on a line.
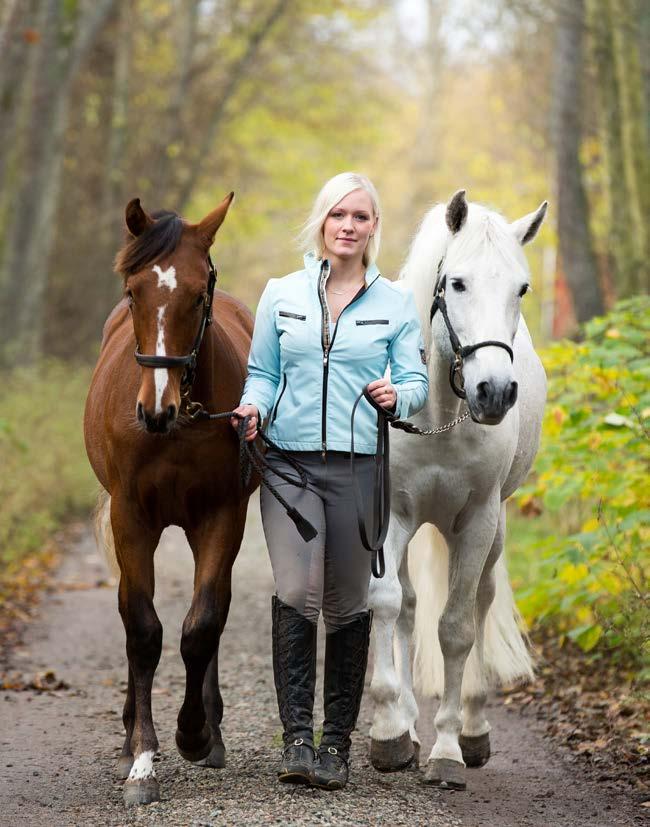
pixel 383 393
pixel 247 410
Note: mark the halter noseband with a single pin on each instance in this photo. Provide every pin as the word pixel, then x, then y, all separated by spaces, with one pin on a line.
pixel 460 351
pixel 188 362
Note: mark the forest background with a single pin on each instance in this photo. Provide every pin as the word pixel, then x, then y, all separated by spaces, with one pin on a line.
pixel 180 101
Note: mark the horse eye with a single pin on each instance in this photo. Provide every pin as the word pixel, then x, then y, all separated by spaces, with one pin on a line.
pixel 524 289
pixel 199 300
pixel 458 286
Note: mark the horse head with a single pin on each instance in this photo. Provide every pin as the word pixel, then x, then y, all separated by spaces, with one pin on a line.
pixel 482 279
pixel 166 270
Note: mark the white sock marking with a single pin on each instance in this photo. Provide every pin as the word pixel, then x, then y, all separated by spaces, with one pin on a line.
pixel 143 767
pixel 166 278
pixel 161 375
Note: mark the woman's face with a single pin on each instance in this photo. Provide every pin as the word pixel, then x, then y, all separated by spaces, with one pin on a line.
pixel 348 226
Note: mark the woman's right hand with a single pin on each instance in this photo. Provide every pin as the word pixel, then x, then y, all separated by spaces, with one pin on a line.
pixel 247 410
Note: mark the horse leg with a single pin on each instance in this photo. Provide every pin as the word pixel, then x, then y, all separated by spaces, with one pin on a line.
pixel 135 547
pixel 456 632
pixel 213 704
pixel 215 545
pixel 125 761
pixel 391 747
pixel 475 735
pixel 403 652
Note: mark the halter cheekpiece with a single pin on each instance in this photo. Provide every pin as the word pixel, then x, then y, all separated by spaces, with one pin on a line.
pixel 189 361
pixel 461 352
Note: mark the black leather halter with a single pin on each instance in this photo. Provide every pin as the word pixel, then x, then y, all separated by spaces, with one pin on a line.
pixel 189 361
pixel 461 352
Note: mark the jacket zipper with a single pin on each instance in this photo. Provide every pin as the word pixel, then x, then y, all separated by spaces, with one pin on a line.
pixel 275 410
pixel 326 355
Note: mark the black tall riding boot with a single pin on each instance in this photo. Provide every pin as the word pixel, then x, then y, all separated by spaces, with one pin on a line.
pixel 294 670
pixel 346 658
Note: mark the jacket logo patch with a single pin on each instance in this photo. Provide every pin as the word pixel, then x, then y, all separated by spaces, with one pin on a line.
pixel 289 315
pixel 423 355
pixel 372 321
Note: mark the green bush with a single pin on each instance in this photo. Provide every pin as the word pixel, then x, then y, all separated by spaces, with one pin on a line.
pixel 591 483
pixel 45 477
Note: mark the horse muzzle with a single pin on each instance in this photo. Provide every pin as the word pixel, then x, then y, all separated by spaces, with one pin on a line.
pixel 490 401
pixel 160 423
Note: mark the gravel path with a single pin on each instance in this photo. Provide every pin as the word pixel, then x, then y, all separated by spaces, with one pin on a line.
pixel 58 749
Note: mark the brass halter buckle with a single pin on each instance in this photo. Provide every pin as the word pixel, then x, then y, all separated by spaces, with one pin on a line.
pixel 188 407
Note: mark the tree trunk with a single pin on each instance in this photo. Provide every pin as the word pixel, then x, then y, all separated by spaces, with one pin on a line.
pixel 21 31
pixel 634 143
pixel 237 75
pixel 28 243
pixel 174 138
pixel 576 253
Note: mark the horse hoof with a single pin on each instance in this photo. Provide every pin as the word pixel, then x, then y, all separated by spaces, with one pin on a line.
pixel 189 751
pixel 392 755
pixel 216 759
pixel 445 773
pixel 415 763
pixel 124 764
pixel 143 791
pixel 476 749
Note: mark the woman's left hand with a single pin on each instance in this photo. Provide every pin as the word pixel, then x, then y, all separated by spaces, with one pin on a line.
pixel 383 393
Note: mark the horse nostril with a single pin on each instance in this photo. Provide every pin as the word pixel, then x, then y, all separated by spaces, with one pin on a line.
pixel 139 411
pixel 171 413
pixel 483 391
pixel 511 394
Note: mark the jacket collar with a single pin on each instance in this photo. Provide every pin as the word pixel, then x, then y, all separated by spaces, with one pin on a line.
pixel 313 266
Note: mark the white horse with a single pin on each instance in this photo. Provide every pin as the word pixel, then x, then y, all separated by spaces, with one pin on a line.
pixel 454 485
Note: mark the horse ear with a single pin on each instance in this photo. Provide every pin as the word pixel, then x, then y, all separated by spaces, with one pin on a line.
pixel 207 228
pixel 525 229
pixel 456 214
pixel 137 220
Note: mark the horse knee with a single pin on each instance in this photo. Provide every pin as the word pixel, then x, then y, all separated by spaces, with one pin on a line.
pixel 456 636
pixel 143 633
pixel 200 636
pixel 385 600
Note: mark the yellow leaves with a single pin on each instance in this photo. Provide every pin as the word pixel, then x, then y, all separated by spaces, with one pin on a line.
pixel 613 333
pixel 571 574
pixel 559 415
pixel 590 525
pixel 594 441
pixel 555 418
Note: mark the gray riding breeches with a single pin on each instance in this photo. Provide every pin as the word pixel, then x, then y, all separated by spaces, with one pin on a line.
pixel 332 571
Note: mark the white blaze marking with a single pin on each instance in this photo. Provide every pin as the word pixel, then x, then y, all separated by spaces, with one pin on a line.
pixel 143 767
pixel 166 278
pixel 161 375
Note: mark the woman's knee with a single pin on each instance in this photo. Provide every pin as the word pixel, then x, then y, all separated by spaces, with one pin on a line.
pixel 296 597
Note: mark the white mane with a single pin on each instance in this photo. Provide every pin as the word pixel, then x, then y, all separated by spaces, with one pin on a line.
pixel 485 238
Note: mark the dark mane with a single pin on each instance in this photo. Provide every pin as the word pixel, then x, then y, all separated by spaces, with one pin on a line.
pixel 155 242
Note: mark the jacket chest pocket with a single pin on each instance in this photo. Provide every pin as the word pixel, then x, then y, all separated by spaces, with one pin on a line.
pixel 361 322
pixel 293 330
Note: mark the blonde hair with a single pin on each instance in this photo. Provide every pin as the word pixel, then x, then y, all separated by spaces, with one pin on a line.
pixel 333 191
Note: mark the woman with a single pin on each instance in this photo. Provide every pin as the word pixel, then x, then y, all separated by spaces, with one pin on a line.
pixel 322 334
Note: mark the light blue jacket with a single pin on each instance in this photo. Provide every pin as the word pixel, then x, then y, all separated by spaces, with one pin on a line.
pixel 305 374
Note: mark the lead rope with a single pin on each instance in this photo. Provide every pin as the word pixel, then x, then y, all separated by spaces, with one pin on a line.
pixel 251 456
pixel 381 491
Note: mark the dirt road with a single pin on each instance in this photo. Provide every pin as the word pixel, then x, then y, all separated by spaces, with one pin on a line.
pixel 58 749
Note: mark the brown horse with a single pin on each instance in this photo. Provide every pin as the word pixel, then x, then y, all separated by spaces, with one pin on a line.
pixel 159 467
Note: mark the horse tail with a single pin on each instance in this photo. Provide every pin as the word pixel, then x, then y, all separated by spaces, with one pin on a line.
pixel 506 654
pixel 104 531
